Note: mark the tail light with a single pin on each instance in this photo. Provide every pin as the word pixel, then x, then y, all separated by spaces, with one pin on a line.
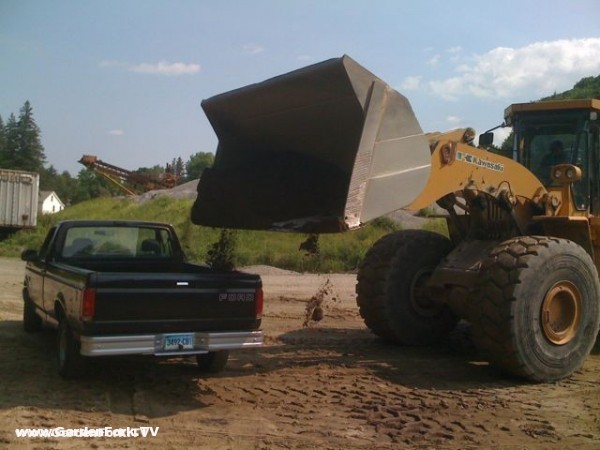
pixel 88 304
pixel 258 305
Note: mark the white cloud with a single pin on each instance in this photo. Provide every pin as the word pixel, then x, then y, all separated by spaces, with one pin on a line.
pixel 434 60
pixel 160 68
pixel 500 135
pixel 411 83
pixel 455 53
pixel 166 68
pixel 454 120
pixel 116 132
pixel 536 70
pixel 253 49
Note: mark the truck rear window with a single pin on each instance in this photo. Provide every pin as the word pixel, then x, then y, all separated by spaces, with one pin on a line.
pixel 97 242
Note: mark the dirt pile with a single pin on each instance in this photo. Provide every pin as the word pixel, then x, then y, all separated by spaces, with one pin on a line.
pixel 186 190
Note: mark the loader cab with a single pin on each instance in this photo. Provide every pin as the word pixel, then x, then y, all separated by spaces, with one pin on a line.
pixel 560 132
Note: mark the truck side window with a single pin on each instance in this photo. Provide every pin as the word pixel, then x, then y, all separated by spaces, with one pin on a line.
pixel 44 249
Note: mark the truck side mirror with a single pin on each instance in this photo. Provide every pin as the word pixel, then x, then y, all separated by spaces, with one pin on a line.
pixel 30 255
pixel 486 139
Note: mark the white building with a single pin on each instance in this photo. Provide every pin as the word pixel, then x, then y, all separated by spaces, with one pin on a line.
pixel 49 203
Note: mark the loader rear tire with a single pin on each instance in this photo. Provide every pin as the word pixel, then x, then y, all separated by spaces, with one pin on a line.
pixel 390 291
pixel 538 307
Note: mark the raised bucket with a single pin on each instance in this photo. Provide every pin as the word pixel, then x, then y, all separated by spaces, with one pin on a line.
pixel 325 148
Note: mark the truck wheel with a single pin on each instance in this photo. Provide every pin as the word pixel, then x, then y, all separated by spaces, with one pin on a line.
pixel 391 293
pixel 70 361
pixel 31 321
pixel 538 309
pixel 212 362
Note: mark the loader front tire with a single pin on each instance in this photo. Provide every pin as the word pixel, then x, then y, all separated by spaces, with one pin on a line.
pixel 391 291
pixel 538 308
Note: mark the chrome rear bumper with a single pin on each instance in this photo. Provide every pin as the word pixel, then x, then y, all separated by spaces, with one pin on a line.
pixel 153 344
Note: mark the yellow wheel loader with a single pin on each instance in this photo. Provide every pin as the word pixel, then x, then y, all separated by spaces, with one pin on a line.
pixel 328 147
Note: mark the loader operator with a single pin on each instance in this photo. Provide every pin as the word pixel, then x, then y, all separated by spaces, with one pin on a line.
pixel 556 155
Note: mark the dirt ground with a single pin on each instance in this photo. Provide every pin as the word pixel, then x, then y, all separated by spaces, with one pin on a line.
pixel 332 385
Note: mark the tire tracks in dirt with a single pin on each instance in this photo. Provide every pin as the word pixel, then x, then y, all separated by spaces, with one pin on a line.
pixel 331 385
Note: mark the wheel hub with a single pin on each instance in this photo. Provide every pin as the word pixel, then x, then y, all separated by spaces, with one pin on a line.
pixel 420 296
pixel 561 313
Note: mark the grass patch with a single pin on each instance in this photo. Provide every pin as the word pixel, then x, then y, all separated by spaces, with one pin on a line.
pixel 337 252
pixel 437 226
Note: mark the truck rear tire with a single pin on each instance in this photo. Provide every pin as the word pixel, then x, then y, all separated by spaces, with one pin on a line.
pixel 213 362
pixel 538 308
pixel 31 321
pixel 391 293
pixel 70 361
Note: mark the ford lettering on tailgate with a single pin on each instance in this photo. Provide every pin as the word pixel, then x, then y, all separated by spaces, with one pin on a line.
pixel 236 296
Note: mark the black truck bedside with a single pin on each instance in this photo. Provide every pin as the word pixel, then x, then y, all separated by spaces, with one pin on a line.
pixel 124 288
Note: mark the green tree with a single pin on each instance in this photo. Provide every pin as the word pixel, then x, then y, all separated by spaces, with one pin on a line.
pixel 30 152
pixel 66 185
pixel 154 172
pixel 178 168
pixel 10 155
pixel 588 87
pixel 506 149
pixel 47 179
pixel 63 184
pixel 197 163
pixel 2 142
pixel 221 254
pixel 22 147
pixel 91 185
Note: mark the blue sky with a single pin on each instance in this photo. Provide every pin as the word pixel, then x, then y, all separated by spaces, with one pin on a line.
pixel 123 80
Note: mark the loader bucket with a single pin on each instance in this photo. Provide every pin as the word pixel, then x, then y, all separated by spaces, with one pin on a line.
pixel 324 148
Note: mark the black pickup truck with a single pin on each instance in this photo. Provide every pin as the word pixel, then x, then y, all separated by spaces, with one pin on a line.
pixel 124 288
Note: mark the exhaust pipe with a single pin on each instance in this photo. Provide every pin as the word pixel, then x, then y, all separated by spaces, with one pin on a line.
pixel 325 148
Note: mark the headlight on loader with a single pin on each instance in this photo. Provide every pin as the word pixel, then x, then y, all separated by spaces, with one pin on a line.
pixel 566 173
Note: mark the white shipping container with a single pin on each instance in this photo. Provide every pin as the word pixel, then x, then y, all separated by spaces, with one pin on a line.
pixel 18 198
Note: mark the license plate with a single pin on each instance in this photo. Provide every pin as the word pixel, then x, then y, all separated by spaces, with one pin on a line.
pixel 179 342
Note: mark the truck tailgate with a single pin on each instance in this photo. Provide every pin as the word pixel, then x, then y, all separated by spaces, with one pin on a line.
pixel 149 302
